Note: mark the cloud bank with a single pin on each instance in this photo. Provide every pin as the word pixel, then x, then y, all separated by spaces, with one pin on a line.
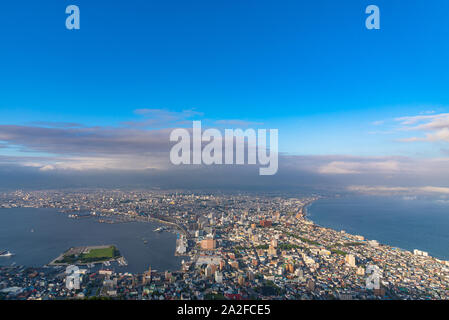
pixel 137 154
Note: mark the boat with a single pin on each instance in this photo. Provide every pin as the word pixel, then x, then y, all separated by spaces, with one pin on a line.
pixel 160 229
pixel 5 253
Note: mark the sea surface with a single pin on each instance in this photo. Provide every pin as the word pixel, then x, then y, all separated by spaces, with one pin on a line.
pixel 403 222
pixel 37 236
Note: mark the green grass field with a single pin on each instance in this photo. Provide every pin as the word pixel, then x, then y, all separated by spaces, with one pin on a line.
pixel 94 255
pixel 100 253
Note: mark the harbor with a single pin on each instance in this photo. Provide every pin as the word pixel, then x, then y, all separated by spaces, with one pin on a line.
pixel 54 233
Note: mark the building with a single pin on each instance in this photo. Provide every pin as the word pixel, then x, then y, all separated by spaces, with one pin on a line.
pixel 373 243
pixel 417 252
pixel 360 271
pixel 310 285
pixel 208 244
pixel 272 251
pixel 208 271
pixel 218 277
pixel 167 275
pixel 146 277
pixel 181 245
pixel 265 223
pixel 350 260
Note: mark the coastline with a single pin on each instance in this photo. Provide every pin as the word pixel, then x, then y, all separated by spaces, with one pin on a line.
pixel 308 217
pixel 396 217
pixel 156 251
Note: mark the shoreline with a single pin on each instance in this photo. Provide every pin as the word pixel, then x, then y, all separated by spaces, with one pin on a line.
pixel 308 217
pixel 50 261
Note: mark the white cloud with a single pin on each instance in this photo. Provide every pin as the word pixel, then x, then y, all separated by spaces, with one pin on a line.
pixel 435 127
pixel 357 167
pixel 442 190
pixel 47 167
pixel 386 190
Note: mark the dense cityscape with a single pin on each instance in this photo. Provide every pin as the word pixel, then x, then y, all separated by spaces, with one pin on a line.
pixel 234 246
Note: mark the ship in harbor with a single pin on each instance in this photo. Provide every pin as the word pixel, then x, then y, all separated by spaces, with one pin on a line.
pixel 5 253
pixel 160 229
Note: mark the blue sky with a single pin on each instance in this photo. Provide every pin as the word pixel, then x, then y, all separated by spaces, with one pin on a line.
pixel 309 68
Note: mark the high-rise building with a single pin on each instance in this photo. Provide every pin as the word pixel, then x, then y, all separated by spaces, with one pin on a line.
pixel 350 260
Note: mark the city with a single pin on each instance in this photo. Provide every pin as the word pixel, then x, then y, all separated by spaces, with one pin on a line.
pixel 224 159
pixel 234 247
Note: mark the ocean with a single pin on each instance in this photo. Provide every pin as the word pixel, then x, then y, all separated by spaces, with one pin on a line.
pixel 37 236
pixel 403 222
